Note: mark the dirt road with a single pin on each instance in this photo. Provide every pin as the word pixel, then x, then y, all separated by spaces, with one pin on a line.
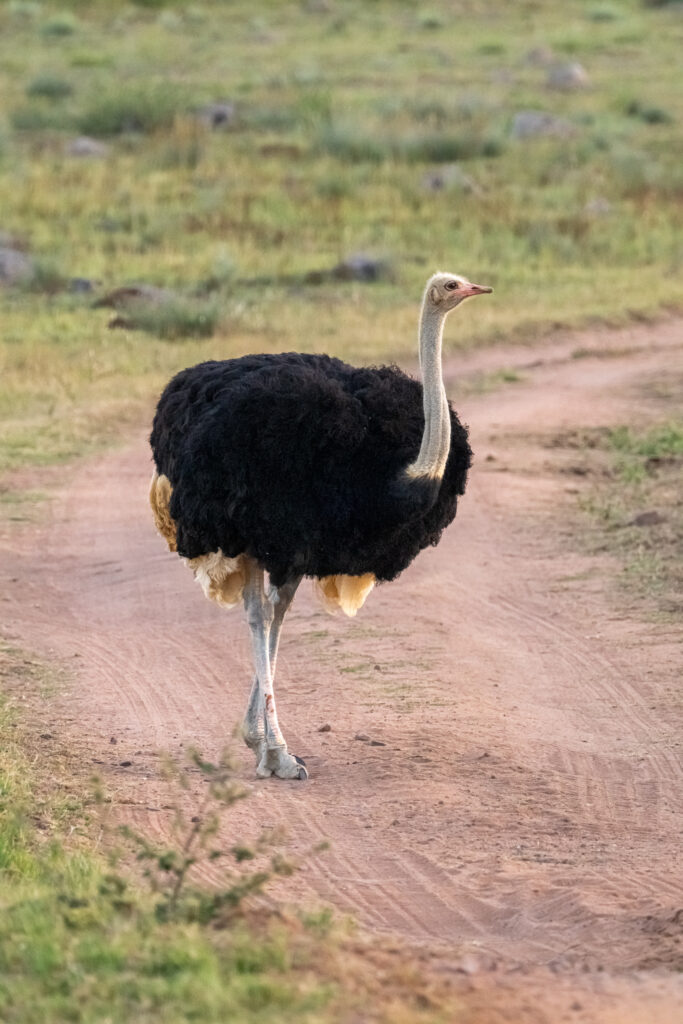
pixel 516 804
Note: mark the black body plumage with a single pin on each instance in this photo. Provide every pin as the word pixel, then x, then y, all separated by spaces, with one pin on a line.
pixel 298 461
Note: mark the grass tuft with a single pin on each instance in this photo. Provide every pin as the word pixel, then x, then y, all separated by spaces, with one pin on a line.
pixel 635 500
pixel 660 442
pixel 37 117
pixel 174 319
pixel 59 25
pixel 647 113
pixel 46 277
pixel 447 148
pixel 144 108
pixel 604 12
pixel 352 146
pixel 48 86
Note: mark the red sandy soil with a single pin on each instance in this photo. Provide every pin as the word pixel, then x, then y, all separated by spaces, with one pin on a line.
pixel 517 819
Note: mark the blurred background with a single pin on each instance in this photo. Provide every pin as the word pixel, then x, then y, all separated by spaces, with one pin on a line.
pixel 184 181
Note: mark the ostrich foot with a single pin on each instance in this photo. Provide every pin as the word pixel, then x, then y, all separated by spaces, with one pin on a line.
pixel 278 761
pixel 274 760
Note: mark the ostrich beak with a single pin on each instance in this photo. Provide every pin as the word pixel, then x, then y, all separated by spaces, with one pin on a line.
pixel 475 289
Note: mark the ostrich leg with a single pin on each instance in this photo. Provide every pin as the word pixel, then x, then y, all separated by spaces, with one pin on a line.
pixel 271 748
pixel 254 726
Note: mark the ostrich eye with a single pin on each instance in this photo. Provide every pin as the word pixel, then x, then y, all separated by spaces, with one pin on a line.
pixel 451 286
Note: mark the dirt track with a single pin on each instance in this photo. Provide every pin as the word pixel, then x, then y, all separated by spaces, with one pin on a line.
pixel 520 811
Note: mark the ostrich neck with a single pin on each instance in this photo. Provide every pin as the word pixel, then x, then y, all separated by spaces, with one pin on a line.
pixel 436 439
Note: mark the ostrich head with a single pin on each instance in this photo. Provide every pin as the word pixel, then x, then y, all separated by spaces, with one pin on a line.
pixel 446 291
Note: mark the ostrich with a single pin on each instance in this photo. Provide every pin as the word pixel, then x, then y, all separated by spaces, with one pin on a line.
pixel 300 465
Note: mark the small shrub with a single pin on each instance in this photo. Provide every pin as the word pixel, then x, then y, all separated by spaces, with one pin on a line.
pixel 272 119
pixel 646 113
pixel 444 148
pixel 63 24
pixel 334 187
pixel 491 48
pixel 223 273
pixel 37 118
pixel 353 146
pixel 174 319
pixel 51 87
pixel 195 840
pixel 430 21
pixel 90 59
pixel 663 441
pixel 604 12
pixel 46 278
pixel 135 108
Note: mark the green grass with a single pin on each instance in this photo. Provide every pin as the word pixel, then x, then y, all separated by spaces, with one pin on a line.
pixel 663 441
pixel 146 107
pixel 52 87
pixel 339 114
pixel 179 318
pixel 638 473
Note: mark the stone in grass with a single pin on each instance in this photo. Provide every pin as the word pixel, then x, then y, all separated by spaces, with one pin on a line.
pixel 652 518
pixel 81 285
pixel 15 267
pixel 598 207
pixel 361 268
pixel 84 146
pixel 567 76
pixel 540 56
pixel 325 728
pixel 10 241
pixel 450 176
pixel 218 116
pixel 355 268
pixel 530 124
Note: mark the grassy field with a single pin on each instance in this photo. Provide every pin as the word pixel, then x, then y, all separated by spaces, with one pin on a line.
pixel 384 129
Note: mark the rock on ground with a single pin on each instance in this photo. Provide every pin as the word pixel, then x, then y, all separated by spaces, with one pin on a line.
pixel 15 267
pixel 529 124
pixel 84 146
pixel 567 76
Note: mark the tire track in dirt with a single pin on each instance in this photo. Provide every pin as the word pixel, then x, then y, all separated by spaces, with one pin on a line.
pixel 524 802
